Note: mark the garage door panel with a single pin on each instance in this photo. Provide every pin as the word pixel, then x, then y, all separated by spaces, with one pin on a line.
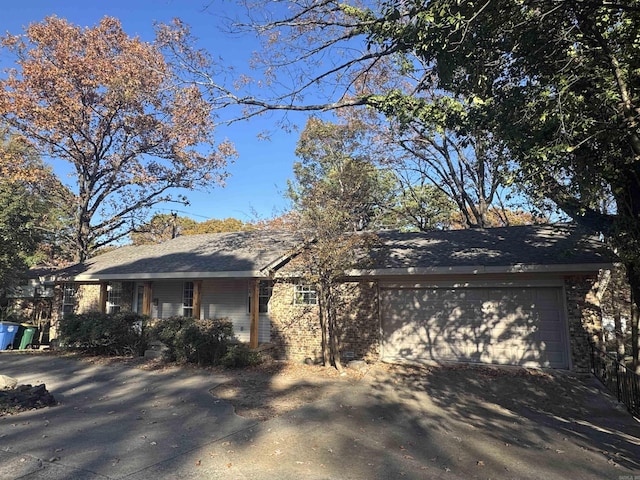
pixel 521 326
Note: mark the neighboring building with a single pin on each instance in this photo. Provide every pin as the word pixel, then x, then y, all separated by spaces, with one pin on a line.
pixel 516 295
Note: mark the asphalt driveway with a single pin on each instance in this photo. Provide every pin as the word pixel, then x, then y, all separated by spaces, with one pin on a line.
pixel 114 421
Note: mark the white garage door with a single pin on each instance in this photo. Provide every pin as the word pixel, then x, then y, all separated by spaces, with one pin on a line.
pixel 511 326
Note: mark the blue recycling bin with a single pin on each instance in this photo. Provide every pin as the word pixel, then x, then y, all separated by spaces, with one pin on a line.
pixel 8 331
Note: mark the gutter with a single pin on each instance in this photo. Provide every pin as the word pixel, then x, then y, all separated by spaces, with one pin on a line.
pixel 480 270
pixel 96 277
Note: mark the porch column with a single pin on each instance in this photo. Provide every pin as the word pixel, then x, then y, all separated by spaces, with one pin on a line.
pixel 103 297
pixel 255 313
pixel 147 293
pixel 197 293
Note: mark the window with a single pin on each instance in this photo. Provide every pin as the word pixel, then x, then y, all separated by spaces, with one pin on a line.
pixel 69 291
pixel 187 299
pixel 114 297
pixel 140 299
pixel 304 294
pixel 264 295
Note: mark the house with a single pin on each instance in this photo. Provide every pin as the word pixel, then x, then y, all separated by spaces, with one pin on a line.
pixel 200 276
pixel 524 295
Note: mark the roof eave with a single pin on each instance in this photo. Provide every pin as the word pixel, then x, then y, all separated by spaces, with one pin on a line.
pixel 481 269
pixel 97 277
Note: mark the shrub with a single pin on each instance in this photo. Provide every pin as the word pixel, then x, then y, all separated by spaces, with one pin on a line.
pixel 239 356
pixel 104 334
pixel 191 340
pixel 10 315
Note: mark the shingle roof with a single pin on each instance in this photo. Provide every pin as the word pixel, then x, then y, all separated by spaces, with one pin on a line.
pixel 242 253
pixel 493 247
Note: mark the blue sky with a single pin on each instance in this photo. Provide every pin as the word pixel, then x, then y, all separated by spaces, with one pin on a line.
pixel 259 176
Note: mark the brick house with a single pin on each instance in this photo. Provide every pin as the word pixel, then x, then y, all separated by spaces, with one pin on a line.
pixel 516 295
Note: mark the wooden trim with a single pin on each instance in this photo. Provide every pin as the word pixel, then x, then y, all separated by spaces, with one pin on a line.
pixel 255 313
pixel 197 298
pixel 146 298
pixel 103 297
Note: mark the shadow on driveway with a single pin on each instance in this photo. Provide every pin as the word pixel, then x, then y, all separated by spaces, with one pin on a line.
pixel 397 422
pixel 111 420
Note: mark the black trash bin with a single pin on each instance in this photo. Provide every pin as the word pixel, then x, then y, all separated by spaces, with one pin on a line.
pixel 24 336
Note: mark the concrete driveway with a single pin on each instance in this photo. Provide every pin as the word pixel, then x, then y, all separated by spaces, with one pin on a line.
pixel 114 421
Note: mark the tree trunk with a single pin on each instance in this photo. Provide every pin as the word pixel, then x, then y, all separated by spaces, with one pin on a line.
pixel 334 344
pixel 634 283
pixel 83 223
pixel 323 328
pixel 635 338
pixel 617 328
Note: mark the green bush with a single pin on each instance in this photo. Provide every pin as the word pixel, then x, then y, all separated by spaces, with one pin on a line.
pixel 190 340
pixel 104 334
pixel 239 356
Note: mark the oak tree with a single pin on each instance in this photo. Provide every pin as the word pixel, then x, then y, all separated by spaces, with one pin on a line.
pixel 161 227
pixel 114 109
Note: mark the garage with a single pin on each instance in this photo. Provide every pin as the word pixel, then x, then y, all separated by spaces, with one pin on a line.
pixel 504 325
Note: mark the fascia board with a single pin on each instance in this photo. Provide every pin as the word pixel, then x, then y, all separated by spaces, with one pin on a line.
pixel 480 269
pixel 96 277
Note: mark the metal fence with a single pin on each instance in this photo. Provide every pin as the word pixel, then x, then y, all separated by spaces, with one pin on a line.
pixel 619 380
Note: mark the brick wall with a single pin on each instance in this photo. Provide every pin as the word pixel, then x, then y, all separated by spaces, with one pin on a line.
pixel 584 319
pixel 88 298
pixel 359 321
pixel 295 329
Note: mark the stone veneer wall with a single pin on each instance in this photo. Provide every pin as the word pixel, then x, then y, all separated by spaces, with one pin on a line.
pixel 584 318
pixel 295 329
pixel 88 298
pixel 359 321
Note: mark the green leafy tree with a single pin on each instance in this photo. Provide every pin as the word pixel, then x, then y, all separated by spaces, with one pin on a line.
pixel 333 154
pixel 20 234
pixel 425 207
pixel 335 195
pixel 35 206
